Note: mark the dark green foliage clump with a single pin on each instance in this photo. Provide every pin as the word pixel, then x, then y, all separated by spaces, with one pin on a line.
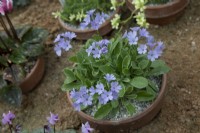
pixel 77 6
pixel 158 1
pixel 20 3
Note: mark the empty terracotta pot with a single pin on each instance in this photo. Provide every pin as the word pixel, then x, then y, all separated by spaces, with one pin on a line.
pixel 164 13
pixel 104 29
pixel 34 77
pixel 127 124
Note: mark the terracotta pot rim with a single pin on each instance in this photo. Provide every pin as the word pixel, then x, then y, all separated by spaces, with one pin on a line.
pixel 88 30
pixel 130 119
pixel 37 72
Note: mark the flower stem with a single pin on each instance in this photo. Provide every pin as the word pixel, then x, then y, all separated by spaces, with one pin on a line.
pixel 4 26
pixel 10 127
pixel 54 129
pixel 12 28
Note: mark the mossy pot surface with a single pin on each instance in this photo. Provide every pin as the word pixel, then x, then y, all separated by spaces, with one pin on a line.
pixel 34 77
pixel 163 14
pixel 85 34
pixel 127 124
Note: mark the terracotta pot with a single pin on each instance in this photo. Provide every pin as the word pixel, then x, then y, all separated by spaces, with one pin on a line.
pixel 34 77
pixel 128 124
pixel 104 29
pixel 164 13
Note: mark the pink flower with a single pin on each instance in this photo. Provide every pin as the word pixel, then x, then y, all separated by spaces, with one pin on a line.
pixel 6 6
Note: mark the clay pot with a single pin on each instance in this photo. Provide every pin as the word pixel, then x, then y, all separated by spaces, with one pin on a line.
pixel 128 124
pixel 163 14
pixel 104 29
pixel 34 77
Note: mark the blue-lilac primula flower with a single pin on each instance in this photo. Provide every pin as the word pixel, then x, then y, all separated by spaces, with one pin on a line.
pixel 115 86
pixel 7 118
pixel 100 88
pixel 109 77
pixel 53 118
pixel 142 49
pixel 63 41
pixel 105 97
pixel 97 49
pixel 93 20
pixel 132 37
pixel 86 128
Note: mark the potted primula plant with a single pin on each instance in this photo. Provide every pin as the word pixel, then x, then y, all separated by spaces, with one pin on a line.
pixel 21 66
pixel 160 12
pixel 117 84
pixel 87 17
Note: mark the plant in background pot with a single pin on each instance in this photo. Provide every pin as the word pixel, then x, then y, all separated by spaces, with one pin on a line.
pixel 85 17
pixel 21 66
pixel 160 12
pixel 116 84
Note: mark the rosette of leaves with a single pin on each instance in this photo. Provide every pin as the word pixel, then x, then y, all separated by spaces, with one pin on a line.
pixel 73 11
pixel 12 63
pixel 20 3
pixel 132 72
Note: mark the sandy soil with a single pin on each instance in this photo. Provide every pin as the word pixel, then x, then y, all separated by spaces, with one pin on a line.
pixel 180 112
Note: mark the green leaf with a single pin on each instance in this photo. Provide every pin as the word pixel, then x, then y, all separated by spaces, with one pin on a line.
pixel 130 108
pixel 131 96
pixel 3 61
pixel 144 96
pixel 32 49
pixel 143 64
pixel 122 92
pixel 153 86
pixel 106 69
pixel 125 64
pixel 73 59
pixel 150 90
pixel 129 90
pixel 14 74
pixel 13 95
pixel 113 45
pixel 126 80
pixel 139 82
pixel 69 75
pixel 159 70
pixel 70 86
pixel 103 111
pixel 157 63
pixel 115 103
pixel 36 35
pixel 138 72
pixel 17 57
pixel 134 66
pixel 22 30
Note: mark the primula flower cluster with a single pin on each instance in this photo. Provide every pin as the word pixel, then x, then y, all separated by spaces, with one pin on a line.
pixel 97 49
pixel 150 47
pixel 86 128
pixel 63 42
pixel 84 96
pixel 93 19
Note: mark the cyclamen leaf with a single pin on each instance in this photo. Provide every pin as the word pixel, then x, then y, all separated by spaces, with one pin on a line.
pixel 17 57
pixel 103 111
pixel 3 61
pixel 13 95
pixel 139 82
